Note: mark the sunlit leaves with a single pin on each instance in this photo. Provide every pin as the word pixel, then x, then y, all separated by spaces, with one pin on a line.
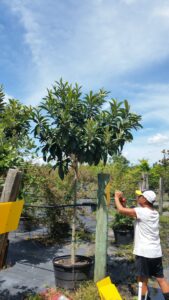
pixel 2 103
pixel 68 124
pixel 15 142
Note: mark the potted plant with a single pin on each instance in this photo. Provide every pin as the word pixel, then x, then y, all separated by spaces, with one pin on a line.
pixel 73 130
pixel 123 227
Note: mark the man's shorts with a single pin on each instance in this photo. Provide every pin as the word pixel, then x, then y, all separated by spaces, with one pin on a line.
pixel 148 267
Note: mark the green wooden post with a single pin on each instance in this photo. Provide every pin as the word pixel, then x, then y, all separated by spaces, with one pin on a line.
pixel 101 229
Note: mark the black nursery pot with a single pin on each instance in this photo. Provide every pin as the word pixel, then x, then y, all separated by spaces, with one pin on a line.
pixel 93 207
pixel 25 224
pixel 71 276
pixel 123 236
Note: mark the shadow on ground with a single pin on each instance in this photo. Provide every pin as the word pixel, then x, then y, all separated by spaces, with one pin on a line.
pixel 31 251
pixel 5 294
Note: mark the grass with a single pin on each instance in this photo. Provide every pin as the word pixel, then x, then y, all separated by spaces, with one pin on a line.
pixel 164 233
pixel 87 291
pixel 33 297
pixel 164 220
pixel 125 251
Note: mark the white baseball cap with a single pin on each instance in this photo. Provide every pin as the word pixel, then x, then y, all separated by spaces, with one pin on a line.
pixel 149 195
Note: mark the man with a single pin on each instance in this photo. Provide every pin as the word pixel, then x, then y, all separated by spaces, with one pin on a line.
pixel 147 247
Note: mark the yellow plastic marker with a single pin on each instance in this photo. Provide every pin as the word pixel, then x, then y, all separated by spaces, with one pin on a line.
pixel 9 215
pixel 108 290
pixel 107 192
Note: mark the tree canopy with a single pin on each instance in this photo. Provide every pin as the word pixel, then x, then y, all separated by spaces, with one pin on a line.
pixel 72 127
pixel 15 142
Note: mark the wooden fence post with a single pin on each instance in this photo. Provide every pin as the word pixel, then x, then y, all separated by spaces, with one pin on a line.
pixel 161 194
pixel 9 193
pixel 144 185
pixel 101 229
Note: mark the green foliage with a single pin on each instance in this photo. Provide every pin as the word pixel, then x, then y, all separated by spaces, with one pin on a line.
pixel 164 220
pixel 155 173
pixel 122 222
pixel 33 297
pixel 122 176
pixel 130 181
pixel 70 126
pixel 118 170
pixel 2 103
pixel 41 186
pixel 87 291
pixel 73 129
pixel 144 165
pixel 15 142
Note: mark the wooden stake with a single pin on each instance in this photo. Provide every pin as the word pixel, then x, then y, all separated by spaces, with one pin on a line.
pixel 161 194
pixel 144 183
pixel 9 193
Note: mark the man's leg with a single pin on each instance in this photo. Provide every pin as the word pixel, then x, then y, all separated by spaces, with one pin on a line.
pixel 144 288
pixel 164 285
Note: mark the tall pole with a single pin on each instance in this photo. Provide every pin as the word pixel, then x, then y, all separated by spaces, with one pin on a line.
pixel 161 193
pixel 101 228
pixel 165 163
pixel 144 183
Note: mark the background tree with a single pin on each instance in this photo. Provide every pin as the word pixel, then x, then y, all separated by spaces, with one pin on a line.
pixel 73 129
pixel 15 141
pixel 164 163
pixel 118 170
pixel 156 171
pixel 2 102
pixel 144 168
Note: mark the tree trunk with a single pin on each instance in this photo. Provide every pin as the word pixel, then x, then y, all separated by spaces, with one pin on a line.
pixel 101 229
pixel 9 193
pixel 73 242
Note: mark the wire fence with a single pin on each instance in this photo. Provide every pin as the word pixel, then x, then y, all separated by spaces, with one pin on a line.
pixel 36 222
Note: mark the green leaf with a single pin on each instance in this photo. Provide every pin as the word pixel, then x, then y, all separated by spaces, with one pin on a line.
pixel 60 171
pixel 72 125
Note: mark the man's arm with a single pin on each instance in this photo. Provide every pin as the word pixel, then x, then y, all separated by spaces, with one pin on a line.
pixel 121 209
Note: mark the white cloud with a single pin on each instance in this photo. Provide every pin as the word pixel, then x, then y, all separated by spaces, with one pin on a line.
pixel 147 144
pixel 161 11
pixel 158 139
pixel 140 148
pixel 101 43
pixel 91 42
pixel 129 2
pixel 38 161
pixel 151 101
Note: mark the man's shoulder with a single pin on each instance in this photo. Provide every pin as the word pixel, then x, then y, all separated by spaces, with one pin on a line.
pixel 141 211
pixel 145 212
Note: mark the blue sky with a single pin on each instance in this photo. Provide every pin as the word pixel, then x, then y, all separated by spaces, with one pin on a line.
pixel 121 45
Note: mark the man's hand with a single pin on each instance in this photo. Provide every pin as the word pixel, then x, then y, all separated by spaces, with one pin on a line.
pixel 121 206
pixel 118 194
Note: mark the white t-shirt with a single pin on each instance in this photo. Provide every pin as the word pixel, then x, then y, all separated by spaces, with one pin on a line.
pixel 146 234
